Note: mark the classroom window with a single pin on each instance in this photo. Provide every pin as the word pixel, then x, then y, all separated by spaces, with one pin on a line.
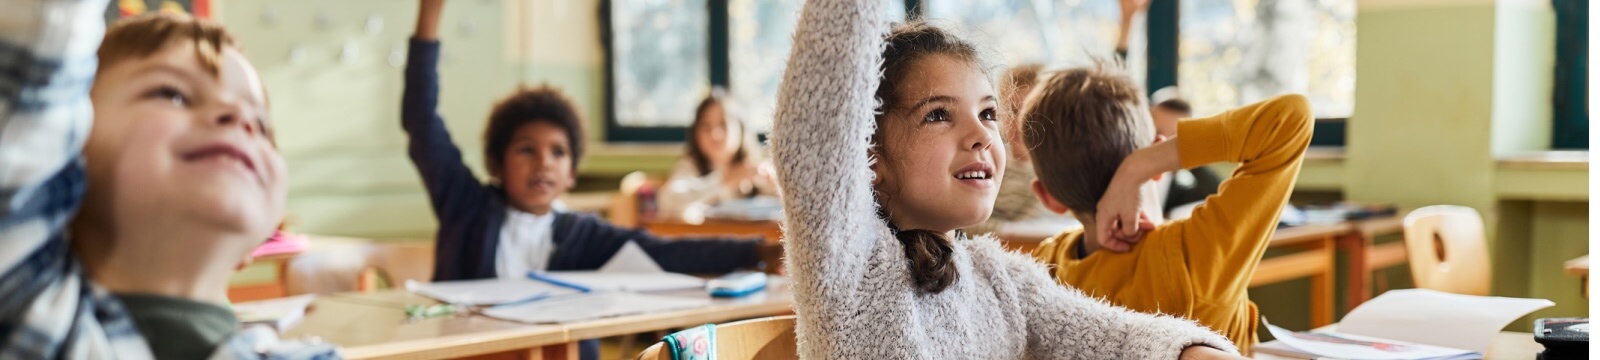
pixel 1054 33
pixel 659 66
pixel 1235 52
pixel 1572 75
pixel 759 40
pixel 759 36
pixel 664 56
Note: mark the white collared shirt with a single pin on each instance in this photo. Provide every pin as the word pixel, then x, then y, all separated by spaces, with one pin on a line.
pixel 526 242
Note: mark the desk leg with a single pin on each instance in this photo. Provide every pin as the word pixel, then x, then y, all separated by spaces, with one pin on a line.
pixel 1354 245
pixel 562 351
pixel 283 277
pixel 1322 286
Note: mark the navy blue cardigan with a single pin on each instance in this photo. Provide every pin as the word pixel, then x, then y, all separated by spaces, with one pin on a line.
pixel 471 213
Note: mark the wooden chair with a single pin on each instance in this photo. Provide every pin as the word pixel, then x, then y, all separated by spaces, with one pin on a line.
pixel 396 263
pixel 764 338
pixel 343 265
pixel 1446 248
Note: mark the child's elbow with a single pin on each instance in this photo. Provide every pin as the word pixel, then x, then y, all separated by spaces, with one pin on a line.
pixel 1295 113
pixel 1294 106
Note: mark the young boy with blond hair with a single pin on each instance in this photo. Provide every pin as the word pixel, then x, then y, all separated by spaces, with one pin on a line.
pixel 1091 137
pixel 178 177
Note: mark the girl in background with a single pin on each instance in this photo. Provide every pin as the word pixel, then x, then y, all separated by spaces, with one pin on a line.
pixel 721 162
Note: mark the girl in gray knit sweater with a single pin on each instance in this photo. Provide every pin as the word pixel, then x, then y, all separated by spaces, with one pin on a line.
pixel 878 270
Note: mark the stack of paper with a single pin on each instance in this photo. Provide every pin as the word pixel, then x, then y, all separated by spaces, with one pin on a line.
pixel 760 208
pixel 631 269
pixel 592 306
pixel 1408 324
pixel 568 296
pixel 623 282
pixel 280 314
pixel 488 291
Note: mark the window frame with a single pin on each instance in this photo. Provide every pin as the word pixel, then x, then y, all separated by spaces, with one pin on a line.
pixel 1570 118
pixel 717 29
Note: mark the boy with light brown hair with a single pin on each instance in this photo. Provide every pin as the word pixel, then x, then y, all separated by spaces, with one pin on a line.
pixel 1091 135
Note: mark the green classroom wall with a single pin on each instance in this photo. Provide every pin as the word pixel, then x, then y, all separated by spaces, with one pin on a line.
pixel 1442 90
pixel 338 121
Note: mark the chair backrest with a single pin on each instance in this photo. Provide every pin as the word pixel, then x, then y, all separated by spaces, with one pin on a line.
pixel 1447 250
pixel 397 263
pixel 624 211
pixel 764 338
pixel 343 264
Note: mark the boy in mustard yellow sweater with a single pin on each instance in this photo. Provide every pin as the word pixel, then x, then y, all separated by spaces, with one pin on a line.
pixel 1089 130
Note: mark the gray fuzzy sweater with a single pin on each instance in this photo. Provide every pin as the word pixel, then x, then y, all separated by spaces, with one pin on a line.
pixel 853 292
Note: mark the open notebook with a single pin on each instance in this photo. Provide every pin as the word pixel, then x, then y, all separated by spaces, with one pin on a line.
pixel 631 270
pixel 593 306
pixel 1408 324
pixel 568 296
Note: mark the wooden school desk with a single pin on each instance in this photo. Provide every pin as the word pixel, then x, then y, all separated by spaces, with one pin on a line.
pixel 768 229
pixel 275 289
pixel 373 326
pixel 775 300
pixel 1580 267
pixel 375 329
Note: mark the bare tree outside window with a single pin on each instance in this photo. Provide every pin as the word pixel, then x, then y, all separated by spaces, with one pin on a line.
pixel 759 33
pixel 660 62
pixel 1234 52
pixel 1056 33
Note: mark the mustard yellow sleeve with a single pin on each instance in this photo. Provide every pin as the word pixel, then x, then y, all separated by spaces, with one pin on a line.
pixel 1227 234
pixel 1051 252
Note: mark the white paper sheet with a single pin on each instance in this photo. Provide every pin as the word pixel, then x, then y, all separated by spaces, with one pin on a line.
pixel 280 313
pixel 592 306
pixel 1437 318
pixel 760 208
pixel 631 259
pixel 1347 346
pixel 488 291
pixel 632 282
pixel 631 269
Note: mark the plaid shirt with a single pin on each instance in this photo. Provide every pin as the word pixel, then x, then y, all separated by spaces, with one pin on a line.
pixel 49 309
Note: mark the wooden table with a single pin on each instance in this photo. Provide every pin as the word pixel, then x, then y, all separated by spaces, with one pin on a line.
pixel 373 326
pixel 378 330
pixel 1580 267
pixel 776 300
pixel 275 289
pixel 771 230
pixel 1506 346
pixel 1314 258
pixel 1362 257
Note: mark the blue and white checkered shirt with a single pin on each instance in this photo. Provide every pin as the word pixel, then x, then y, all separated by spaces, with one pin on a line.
pixel 49 309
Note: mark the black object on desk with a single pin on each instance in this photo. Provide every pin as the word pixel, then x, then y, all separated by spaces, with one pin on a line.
pixel 1563 338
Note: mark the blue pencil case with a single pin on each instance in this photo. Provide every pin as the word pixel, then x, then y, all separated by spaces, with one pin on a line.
pixel 737 284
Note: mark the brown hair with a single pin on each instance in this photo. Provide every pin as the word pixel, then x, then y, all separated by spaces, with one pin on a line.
pixel 1080 124
pixel 929 253
pixel 524 106
pixel 1178 105
pixel 140 36
pixel 692 139
pixel 1012 82
pixel 1169 98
